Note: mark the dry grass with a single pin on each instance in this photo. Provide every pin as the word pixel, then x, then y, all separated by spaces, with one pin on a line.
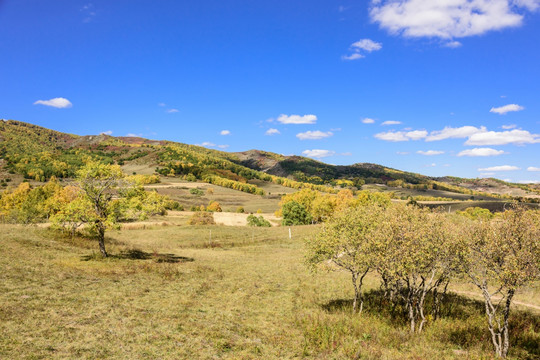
pixel 229 199
pixel 179 292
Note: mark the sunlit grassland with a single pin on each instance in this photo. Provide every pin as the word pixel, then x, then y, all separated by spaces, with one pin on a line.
pixel 175 292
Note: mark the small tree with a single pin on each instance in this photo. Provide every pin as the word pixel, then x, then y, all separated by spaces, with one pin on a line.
pixel 98 183
pixel 295 214
pixel 503 255
pixel 346 243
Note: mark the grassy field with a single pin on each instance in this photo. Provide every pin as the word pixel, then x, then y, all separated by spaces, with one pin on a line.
pixel 179 292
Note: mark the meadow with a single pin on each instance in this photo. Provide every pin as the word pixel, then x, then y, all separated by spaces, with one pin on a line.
pixel 216 292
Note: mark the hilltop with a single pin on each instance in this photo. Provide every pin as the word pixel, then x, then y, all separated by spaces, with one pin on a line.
pixel 38 153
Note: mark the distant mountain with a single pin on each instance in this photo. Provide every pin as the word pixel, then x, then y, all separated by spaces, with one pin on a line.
pixel 39 153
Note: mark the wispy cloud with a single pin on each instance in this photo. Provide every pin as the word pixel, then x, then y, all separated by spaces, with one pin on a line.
pixel 161 104
pixel 172 111
pixel 430 152
pixel 533 168
pixel 447 20
pixel 297 119
pixel 88 12
pixel 500 168
pixel 225 132
pixel 59 103
pixel 368 121
pixel 481 152
pixel 108 132
pixel 506 109
pixel 314 135
pixel 510 126
pixel 362 47
pixel 272 131
pixel 391 122
pixel 318 153
pixel 133 135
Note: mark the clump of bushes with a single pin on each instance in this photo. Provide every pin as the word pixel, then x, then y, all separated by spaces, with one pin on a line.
pixel 202 218
pixel 258 221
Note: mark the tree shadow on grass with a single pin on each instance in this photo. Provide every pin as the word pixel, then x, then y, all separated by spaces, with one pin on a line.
pixel 135 254
pixel 465 324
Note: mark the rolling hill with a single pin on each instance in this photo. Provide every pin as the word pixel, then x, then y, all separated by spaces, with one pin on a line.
pixel 38 153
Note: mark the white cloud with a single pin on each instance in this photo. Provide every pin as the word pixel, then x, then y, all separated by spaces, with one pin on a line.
pixel 225 132
pixel 354 56
pixel 223 146
pixel 367 45
pixel 391 122
pixel 402 135
pixel 392 136
pixel 272 132
pixel 533 168
pixel 481 152
pixel 108 132
pixel 317 153
pixel 503 137
pixel 510 126
pixel 59 103
pixel 161 104
pixel 454 133
pixel 368 121
pixel 529 181
pixel 133 135
pixel 297 119
pixel 361 47
pixel 416 134
pixel 529 4
pixel 207 144
pixel 453 44
pixel 430 152
pixel 447 19
pixel 500 168
pixel 430 165
pixel 314 135
pixel 172 111
pixel 506 108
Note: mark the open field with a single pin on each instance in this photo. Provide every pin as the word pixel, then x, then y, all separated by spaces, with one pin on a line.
pixel 177 291
pixel 229 199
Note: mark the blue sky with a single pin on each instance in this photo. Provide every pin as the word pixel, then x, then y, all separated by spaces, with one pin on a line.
pixel 432 86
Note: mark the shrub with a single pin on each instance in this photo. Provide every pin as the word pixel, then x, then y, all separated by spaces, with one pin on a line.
pixel 196 192
pixel 240 210
pixel 202 218
pixel 258 221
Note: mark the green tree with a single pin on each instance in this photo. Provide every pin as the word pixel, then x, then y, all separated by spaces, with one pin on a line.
pixel 502 255
pixel 295 214
pixel 346 242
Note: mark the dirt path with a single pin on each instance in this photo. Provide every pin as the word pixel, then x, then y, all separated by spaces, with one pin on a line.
pixel 515 302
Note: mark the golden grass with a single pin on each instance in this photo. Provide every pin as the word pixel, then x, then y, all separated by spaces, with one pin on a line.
pixel 238 293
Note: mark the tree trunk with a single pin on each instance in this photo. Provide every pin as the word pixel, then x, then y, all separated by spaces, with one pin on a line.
pixel 506 342
pixel 101 239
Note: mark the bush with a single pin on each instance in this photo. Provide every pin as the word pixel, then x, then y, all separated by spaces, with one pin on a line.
pixel 240 210
pixel 258 221
pixel 196 192
pixel 202 218
pixel 214 207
